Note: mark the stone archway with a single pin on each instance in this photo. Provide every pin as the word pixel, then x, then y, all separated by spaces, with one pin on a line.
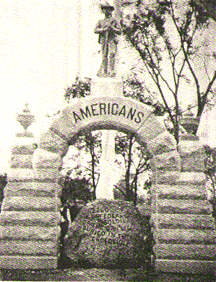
pixel 30 218
pixel 122 114
pixel 30 212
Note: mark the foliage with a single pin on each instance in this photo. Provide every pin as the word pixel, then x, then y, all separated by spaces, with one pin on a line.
pixel 210 171
pixel 79 89
pixel 75 189
pixel 136 161
pixel 134 88
pixel 210 7
pixel 87 141
pixel 90 142
pixel 167 36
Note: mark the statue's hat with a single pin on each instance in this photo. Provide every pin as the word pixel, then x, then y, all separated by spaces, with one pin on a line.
pixel 106 5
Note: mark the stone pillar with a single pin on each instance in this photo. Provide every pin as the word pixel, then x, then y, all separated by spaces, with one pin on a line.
pixel 29 220
pixel 184 229
pixel 106 87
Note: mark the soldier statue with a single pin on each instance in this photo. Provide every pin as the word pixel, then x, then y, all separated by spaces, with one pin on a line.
pixel 108 30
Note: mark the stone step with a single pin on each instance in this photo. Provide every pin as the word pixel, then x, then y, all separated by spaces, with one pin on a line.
pixel 191 178
pixel 190 236
pixel 23 149
pixel 28 174
pixel 28 247
pixel 182 251
pixel 193 192
pixel 31 204
pixel 28 262
pixel 35 189
pixel 185 266
pixel 30 233
pixel 21 161
pixel 183 221
pixel 20 174
pixel 12 218
pixel 184 206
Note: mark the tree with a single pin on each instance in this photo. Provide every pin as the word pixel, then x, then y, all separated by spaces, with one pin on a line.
pixel 148 31
pixel 136 161
pixel 88 141
pixel 75 189
pixel 209 6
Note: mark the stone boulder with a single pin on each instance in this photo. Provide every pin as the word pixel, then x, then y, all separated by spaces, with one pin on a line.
pixel 107 234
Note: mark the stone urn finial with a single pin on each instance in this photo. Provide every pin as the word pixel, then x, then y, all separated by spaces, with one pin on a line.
pixel 190 124
pixel 25 118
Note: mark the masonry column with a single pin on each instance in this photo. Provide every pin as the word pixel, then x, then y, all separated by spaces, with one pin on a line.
pixel 29 220
pixel 184 226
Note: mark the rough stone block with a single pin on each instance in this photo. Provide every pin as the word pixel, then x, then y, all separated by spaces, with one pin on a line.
pixel 181 251
pixel 31 204
pixel 166 161
pixel 20 174
pixel 35 218
pixel 168 177
pixel 187 192
pixel 102 113
pixel 50 175
pixel 107 233
pixel 190 236
pixel 26 149
pixel 149 129
pixel 45 159
pixel 184 206
pixel 21 161
pixel 52 142
pixel 28 262
pixel 186 148
pixel 25 134
pixel 191 178
pixel 193 162
pixel 185 266
pixel 192 156
pixel 28 248
pixel 64 125
pixel 162 143
pixel 183 221
pixel 34 189
pixel 34 233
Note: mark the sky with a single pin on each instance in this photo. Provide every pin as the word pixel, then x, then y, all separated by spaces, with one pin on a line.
pixel 39 56
pixel 44 45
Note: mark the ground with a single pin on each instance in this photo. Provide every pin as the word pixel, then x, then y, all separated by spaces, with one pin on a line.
pixel 76 274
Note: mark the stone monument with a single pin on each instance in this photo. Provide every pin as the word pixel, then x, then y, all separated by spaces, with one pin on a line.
pixel 107 84
pixel 107 233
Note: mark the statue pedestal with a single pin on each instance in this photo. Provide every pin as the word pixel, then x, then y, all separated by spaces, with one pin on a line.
pixel 109 87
